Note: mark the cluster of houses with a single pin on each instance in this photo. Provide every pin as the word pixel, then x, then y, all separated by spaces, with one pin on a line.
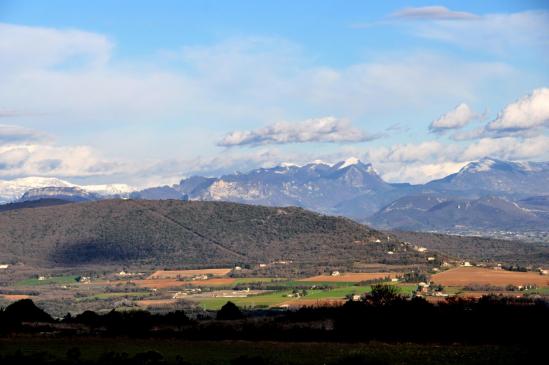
pixel 185 292
pixel 426 289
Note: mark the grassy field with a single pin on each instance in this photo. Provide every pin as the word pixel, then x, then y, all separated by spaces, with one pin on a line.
pixel 280 353
pixel 276 298
pixel 59 280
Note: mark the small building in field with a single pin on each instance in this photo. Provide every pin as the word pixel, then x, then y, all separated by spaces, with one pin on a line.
pixel 335 273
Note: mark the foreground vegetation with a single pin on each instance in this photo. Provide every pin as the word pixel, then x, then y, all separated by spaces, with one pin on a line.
pixel 381 328
pixel 25 350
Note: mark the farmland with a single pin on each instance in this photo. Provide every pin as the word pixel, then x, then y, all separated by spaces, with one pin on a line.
pixel 462 276
pixel 175 274
pixel 210 289
pixel 351 277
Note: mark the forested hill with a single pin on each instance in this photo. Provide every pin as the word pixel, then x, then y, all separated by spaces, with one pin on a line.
pixel 480 248
pixel 177 233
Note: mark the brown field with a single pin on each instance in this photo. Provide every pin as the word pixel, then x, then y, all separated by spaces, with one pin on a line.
pixel 174 274
pixel 480 276
pixel 351 277
pixel 15 297
pixel 172 283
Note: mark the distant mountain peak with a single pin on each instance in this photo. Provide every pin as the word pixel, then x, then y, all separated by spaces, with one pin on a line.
pixel 482 165
pixel 488 164
pixel 348 162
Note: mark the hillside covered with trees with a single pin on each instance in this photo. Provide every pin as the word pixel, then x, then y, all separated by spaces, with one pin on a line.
pixel 177 233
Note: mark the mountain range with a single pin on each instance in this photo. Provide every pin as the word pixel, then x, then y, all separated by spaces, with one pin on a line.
pixel 486 194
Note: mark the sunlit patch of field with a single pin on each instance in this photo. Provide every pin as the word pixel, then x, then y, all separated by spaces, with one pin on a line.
pixel 174 274
pixel 463 276
pixel 351 277
pixel 174 283
pixel 14 297
pixel 59 280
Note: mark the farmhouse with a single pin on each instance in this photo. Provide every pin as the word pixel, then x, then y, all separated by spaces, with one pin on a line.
pixel 4 266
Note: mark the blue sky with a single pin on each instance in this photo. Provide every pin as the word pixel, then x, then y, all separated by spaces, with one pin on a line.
pixel 147 93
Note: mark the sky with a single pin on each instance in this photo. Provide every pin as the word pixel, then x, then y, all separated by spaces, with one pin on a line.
pixel 147 93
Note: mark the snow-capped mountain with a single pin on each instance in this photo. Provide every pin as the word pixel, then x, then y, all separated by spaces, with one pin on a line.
pixel 485 193
pixel 491 176
pixel 73 194
pixel 46 187
pixel 345 188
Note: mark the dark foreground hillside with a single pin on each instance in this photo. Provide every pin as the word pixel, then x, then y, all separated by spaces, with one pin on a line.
pixel 176 233
pixel 381 328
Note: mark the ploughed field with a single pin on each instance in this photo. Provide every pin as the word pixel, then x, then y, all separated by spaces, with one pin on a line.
pixel 462 276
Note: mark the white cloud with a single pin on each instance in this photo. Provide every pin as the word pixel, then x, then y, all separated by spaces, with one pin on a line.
pixel 530 111
pixel 71 77
pixel 326 129
pixel 54 161
pixel 490 32
pixel 428 160
pixel 432 13
pixel 24 47
pixel 456 118
pixel 18 134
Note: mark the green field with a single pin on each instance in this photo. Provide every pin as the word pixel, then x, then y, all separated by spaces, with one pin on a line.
pixel 57 280
pixel 277 297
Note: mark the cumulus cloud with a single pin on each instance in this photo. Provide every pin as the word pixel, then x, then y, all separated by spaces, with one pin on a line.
pixel 326 129
pixel 432 13
pixel 456 118
pixel 530 111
